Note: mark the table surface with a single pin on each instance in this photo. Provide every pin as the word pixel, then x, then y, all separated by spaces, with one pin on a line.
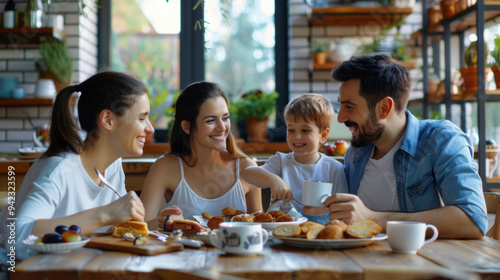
pixel 441 259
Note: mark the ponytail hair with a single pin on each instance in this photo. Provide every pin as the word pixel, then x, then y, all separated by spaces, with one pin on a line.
pixel 187 108
pixel 109 90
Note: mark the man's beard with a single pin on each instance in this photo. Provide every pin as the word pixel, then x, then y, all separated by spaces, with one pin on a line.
pixel 368 133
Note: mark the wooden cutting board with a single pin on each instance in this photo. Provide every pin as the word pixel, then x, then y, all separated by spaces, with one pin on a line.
pixel 152 247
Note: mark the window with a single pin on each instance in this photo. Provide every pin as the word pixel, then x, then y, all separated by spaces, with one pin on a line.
pixel 246 54
pixel 145 43
pixel 240 40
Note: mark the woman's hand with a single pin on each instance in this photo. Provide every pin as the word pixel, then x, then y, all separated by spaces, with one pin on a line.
pixel 173 213
pixel 126 208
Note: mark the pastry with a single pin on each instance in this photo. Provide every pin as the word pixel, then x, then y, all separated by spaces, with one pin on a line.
pixel 307 226
pixel 263 218
pixel 134 227
pixel 215 221
pixel 340 223
pixel 361 232
pixel 331 232
pixel 287 231
pixel 368 224
pixel 284 218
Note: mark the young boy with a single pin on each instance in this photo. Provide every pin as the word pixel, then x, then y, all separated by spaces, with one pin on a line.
pixel 308 119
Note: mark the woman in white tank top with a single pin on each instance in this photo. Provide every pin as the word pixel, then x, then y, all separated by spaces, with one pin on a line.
pixel 201 173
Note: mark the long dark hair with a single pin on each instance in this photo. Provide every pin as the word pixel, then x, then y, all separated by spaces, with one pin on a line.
pixel 113 91
pixel 187 108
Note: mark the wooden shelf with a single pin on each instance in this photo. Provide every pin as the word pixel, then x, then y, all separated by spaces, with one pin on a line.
pixel 350 15
pixel 462 21
pixel 25 35
pixel 325 66
pixel 26 102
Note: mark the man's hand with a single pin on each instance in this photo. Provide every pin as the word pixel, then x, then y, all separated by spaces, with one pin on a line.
pixel 347 208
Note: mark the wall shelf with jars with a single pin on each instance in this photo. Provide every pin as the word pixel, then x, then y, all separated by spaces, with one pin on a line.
pixel 473 18
pixel 342 15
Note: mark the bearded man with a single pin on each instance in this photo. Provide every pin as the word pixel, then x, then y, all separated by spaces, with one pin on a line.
pixel 400 168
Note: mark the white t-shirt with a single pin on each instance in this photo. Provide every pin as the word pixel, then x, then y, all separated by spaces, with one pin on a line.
pixel 294 173
pixel 54 187
pixel 377 188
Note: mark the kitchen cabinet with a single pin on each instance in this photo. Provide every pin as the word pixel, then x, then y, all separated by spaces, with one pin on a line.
pixel 349 15
pixel 474 17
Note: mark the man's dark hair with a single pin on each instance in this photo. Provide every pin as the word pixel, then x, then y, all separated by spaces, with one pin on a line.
pixel 380 76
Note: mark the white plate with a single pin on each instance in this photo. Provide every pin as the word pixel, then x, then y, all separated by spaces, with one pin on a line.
pixel 32 151
pixel 29 242
pixel 268 226
pixel 329 243
pixel 204 237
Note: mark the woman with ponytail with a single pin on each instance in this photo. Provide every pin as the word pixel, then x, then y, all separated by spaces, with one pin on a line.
pixel 201 173
pixel 62 188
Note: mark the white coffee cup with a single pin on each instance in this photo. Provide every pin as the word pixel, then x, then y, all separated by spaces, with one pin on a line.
pixel 239 238
pixel 315 193
pixel 408 237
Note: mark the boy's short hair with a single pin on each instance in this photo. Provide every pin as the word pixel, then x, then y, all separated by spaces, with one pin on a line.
pixel 311 107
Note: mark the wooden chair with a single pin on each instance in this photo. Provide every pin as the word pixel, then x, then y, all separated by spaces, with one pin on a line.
pixel 493 207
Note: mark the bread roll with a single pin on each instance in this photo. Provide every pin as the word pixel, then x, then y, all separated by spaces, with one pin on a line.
pixel 307 226
pixel 313 233
pixel 368 224
pixel 331 232
pixel 354 231
pixel 134 227
pixel 338 223
pixel 287 231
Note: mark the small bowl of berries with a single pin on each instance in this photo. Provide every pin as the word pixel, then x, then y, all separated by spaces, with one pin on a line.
pixel 63 239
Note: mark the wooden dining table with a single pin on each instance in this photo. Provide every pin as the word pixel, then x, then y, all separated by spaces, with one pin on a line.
pixel 441 259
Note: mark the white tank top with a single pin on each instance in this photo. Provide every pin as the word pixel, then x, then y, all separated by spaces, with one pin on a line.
pixel 192 204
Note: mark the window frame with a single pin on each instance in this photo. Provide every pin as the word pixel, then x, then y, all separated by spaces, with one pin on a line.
pixel 192 59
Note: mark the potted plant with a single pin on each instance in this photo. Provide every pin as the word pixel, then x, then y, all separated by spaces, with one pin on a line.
pixel 255 107
pixel 495 53
pixel 319 52
pixel 56 63
pixel 469 73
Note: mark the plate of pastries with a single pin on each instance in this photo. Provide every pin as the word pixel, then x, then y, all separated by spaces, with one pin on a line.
pixel 333 235
pixel 269 220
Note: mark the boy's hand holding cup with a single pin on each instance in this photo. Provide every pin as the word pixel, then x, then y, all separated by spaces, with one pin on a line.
pixel 315 193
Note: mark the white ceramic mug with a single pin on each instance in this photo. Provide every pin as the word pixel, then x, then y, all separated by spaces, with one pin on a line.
pixel 315 193
pixel 408 237
pixel 45 88
pixel 239 238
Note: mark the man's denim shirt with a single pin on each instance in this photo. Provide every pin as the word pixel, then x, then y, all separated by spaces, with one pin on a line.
pixel 434 162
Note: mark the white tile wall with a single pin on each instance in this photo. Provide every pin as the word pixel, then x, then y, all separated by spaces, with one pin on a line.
pixel 17 60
